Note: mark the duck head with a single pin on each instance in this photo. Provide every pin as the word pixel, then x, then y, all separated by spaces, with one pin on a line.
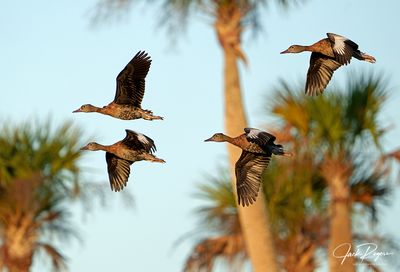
pixel 217 137
pixel 91 146
pixel 86 108
pixel 294 49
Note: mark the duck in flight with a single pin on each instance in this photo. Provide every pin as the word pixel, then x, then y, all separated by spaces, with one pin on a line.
pixel 257 148
pixel 119 156
pixel 129 93
pixel 327 56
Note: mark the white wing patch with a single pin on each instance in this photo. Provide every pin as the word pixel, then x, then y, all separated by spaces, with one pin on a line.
pixel 143 139
pixel 253 133
pixel 339 45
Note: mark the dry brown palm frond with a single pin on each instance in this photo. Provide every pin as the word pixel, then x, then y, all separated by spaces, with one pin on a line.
pixel 204 254
pixel 57 259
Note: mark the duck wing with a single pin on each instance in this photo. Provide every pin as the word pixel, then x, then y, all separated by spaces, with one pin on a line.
pixel 259 137
pixel 248 170
pixel 320 73
pixel 343 48
pixel 118 171
pixel 139 141
pixel 131 80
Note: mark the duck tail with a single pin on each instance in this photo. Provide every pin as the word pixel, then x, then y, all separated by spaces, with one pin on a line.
pixel 278 150
pixel 363 56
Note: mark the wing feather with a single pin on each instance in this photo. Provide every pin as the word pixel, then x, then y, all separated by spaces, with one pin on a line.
pixel 118 171
pixel 320 73
pixel 139 141
pixel 259 137
pixel 249 169
pixel 131 80
pixel 343 48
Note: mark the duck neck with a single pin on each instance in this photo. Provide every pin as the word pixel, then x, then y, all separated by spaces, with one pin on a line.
pixel 234 141
pixel 100 147
pixel 96 109
pixel 303 48
pixel 106 110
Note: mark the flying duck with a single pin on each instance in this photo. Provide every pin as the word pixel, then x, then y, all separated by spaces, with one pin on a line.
pixel 257 148
pixel 327 56
pixel 129 93
pixel 119 156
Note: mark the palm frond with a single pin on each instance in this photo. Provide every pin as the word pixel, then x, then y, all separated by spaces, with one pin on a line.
pixel 366 97
pixel 368 188
pixel 58 260
pixel 205 252
pixel 219 210
pixel 176 14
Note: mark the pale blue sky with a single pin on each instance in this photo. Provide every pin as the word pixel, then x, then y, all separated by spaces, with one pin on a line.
pixel 52 61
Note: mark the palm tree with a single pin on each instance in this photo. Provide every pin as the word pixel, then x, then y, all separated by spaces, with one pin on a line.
pixel 341 127
pixel 297 202
pixel 220 217
pixel 298 230
pixel 298 191
pixel 39 176
pixel 231 18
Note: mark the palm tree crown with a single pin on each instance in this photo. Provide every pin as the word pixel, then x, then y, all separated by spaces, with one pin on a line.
pixel 39 174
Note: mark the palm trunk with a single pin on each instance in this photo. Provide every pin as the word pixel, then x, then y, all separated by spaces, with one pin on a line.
pixel 19 266
pixel 18 244
pixel 253 220
pixel 336 172
pixel 19 261
pixel 340 227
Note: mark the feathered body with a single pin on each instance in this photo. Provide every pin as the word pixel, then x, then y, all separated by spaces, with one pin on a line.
pixel 128 112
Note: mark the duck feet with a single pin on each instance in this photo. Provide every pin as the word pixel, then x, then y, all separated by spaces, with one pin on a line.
pixel 153 117
pixel 155 159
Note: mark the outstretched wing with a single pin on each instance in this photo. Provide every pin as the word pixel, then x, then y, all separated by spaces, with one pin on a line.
pixel 131 80
pixel 259 137
pixel 249 169
pixel 118 171
pixel 320 73
pixel 343 48
pixel 139 141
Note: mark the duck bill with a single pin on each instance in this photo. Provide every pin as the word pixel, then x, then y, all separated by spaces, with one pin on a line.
pixel 78 110
pixel 208 140
pixel 83 148
pixel 285 52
